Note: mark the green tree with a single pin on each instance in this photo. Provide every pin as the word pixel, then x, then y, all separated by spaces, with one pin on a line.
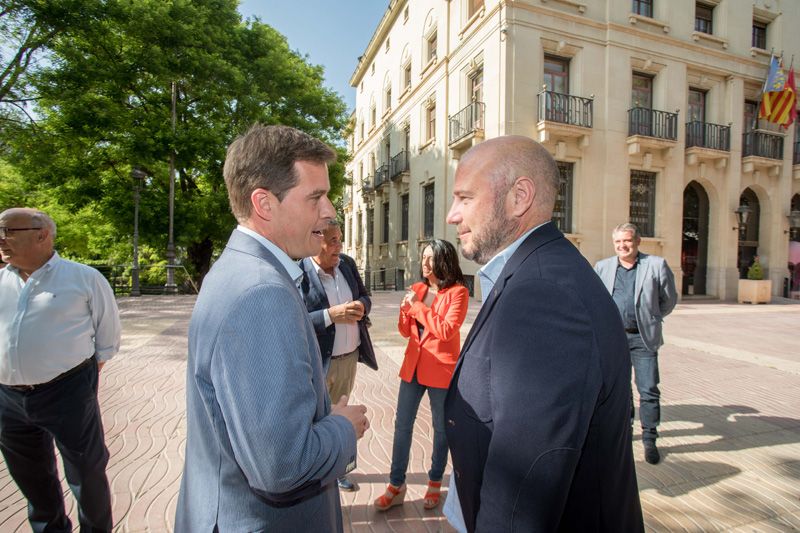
pixel 105 102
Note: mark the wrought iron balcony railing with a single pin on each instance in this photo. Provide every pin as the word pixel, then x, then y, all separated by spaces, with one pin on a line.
pixel 566 108
pixel 762 144
pixel 381 175
pixel 367 185
pixel 653 123
pixel 398 165
pixel 706 135
pixel 466 121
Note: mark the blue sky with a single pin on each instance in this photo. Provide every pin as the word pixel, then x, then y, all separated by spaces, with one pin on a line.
pixel 332 33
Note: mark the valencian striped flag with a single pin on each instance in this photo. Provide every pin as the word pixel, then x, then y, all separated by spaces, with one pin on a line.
pixel 778 102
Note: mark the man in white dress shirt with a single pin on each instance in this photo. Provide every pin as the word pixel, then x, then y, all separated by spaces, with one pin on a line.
pixel 338 303
pixel 59 323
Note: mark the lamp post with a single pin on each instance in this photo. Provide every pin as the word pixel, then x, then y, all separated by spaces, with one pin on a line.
pixel 138 176
pixel 170 287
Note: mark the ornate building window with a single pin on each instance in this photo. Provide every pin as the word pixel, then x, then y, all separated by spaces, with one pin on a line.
pixel 562 213
pixel 643 202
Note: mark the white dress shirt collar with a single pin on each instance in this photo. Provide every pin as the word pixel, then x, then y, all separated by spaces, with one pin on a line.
pixel 488 274
pixel 294 271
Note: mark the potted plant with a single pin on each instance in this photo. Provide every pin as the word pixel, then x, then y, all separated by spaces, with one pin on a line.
pixel 755 289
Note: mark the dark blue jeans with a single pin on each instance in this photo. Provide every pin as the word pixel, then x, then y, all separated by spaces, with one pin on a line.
pixel 645 371
pixel 68 413
pixel 407 405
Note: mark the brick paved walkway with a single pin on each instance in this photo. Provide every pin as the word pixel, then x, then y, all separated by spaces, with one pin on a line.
pixel 730 435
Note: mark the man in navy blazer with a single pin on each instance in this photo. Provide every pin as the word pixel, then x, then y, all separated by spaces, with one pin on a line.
pixel 264 447
pixel 537 411
pixel 643 287
pixel 338 305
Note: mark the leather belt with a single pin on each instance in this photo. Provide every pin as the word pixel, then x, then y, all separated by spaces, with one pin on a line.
pixel 68 373
pixel 344 354
pixel 631 330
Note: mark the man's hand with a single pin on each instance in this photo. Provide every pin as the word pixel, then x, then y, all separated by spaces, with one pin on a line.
pixel 356 414
pixel 100 366
pixel 346 313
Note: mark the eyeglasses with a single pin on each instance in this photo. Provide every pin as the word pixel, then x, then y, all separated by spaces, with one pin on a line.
pixel 4 232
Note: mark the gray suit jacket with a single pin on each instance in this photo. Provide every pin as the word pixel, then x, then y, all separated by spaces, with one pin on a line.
pixel 317 301
pixel 262 451
pixel 655 294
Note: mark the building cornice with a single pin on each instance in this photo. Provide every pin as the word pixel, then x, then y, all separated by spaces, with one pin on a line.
pixel 386 24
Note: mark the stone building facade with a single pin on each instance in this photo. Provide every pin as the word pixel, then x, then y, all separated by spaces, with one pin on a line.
pixel 649 106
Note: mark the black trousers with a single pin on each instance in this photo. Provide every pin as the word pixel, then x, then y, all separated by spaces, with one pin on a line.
pixel 68 413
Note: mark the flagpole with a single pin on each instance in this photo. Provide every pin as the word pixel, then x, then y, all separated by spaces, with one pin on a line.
pixel 763 90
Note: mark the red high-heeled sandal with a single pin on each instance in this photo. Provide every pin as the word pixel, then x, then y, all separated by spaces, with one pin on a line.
pixel 431 499
pixel 393 496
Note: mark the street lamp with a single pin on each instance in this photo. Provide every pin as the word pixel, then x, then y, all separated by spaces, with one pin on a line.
pixel 742 213
pixel 170 287
pixel 138 176
pixel 794 222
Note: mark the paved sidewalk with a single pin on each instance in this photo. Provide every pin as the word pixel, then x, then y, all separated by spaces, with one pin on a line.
pixel 730 435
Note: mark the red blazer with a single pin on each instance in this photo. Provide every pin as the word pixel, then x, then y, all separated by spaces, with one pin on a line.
pixel 434 356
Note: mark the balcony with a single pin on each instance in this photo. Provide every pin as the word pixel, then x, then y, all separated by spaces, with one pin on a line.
pixel 466 127
pixel 707 142
pixel 347 198
pixel 652 123
pixel 762 150
pixel 564 116
pixel 398 166
pixel 651 129
pixel 381 176
pixel 367 187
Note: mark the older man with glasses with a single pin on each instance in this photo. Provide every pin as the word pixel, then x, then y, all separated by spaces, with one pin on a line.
pixel 59 323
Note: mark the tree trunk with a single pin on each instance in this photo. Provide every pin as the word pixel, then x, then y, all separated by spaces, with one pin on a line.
pixel 199 256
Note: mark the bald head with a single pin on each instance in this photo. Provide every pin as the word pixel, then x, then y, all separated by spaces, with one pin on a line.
pixel 503 187
pixel 513 156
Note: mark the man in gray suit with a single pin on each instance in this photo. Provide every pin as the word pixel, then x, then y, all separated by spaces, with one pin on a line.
pixel 643 288
pixel 264 448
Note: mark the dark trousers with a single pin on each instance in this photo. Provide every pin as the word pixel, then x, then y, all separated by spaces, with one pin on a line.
pixel 407 406
pixel 68 413
pixel 645 372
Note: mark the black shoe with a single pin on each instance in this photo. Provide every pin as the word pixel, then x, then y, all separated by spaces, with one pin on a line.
pixel 651 454
pixel 346 485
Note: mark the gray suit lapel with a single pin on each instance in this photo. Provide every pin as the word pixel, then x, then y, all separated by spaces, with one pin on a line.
pixel 641 273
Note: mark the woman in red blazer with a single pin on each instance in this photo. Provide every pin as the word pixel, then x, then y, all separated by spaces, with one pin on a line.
pixel 431 314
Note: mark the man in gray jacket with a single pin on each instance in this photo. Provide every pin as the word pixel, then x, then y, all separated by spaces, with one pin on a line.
pixel 643 288
pixel 264 446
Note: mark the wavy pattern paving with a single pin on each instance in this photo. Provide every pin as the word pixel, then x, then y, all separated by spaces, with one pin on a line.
pixel 730 435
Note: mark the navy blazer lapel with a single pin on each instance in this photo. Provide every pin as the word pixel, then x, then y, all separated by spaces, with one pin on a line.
pixel 543 235
pixel 347 272
pixel 315 285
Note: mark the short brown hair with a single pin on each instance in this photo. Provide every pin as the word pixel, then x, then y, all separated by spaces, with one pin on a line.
pixel 264 158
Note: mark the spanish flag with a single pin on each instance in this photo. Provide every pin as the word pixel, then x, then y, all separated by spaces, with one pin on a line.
pixel 779 100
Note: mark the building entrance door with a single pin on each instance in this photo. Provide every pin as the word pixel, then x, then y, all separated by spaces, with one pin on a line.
pixel 694 245
pixel 748 234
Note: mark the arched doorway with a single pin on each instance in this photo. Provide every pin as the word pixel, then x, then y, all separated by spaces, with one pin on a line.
pixel 748 233
pixel 694 245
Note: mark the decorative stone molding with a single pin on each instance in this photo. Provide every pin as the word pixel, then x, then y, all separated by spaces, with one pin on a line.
pixel 634 19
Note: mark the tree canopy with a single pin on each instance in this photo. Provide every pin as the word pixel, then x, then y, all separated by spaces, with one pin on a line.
pixel 101 103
